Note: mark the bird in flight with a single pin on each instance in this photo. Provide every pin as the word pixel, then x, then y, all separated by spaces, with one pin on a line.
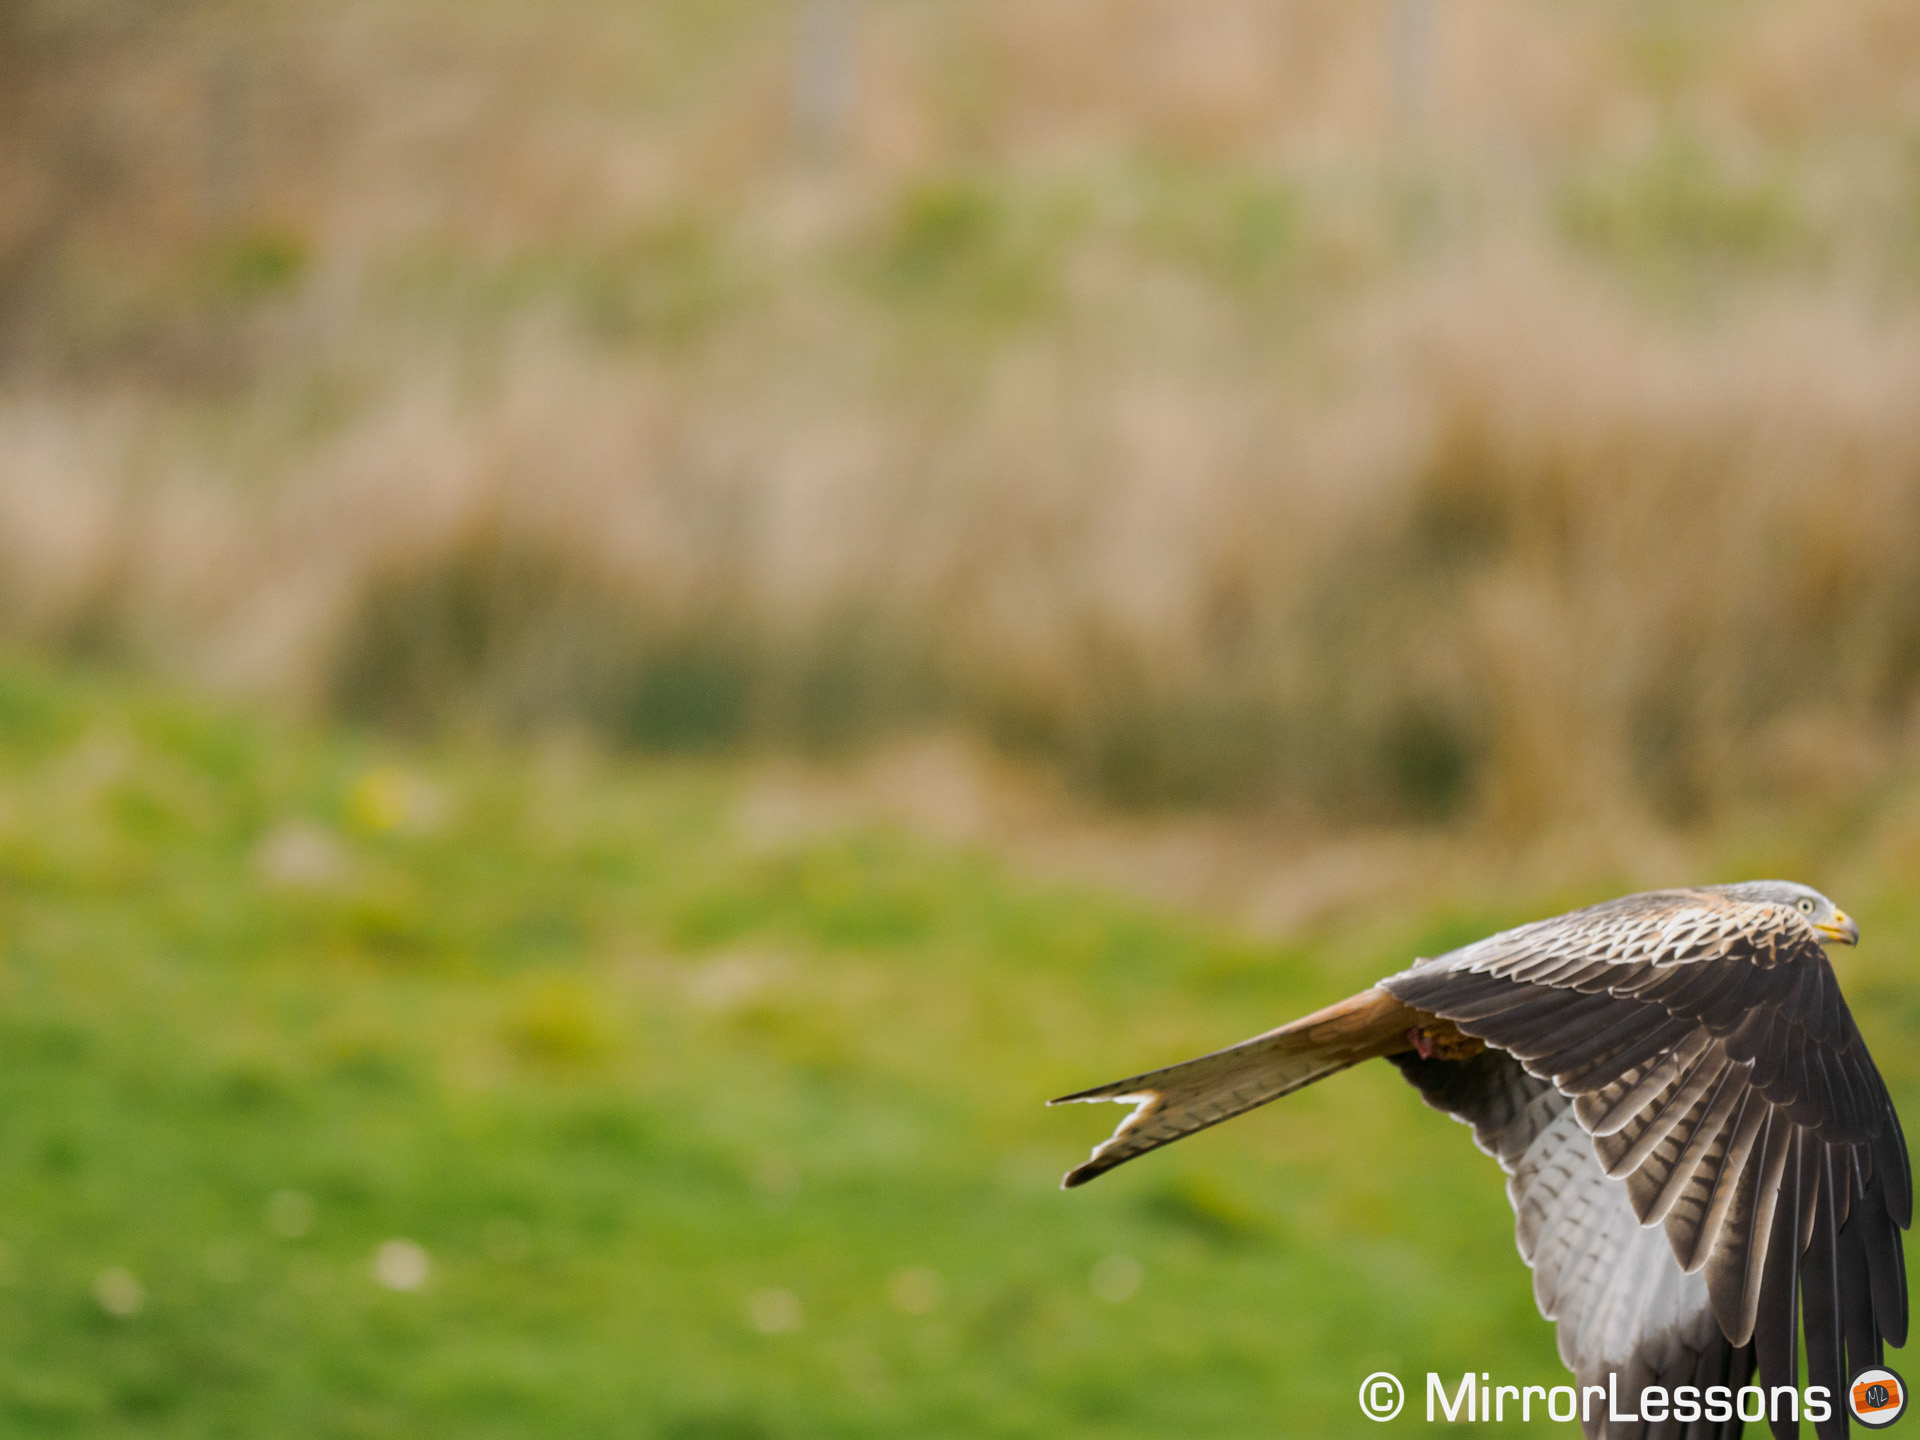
pixel 1696 1141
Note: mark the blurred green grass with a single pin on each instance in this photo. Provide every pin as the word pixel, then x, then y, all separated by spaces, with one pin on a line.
pixel 646 1086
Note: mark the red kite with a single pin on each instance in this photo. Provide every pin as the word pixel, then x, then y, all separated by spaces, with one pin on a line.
pixel 1697 1144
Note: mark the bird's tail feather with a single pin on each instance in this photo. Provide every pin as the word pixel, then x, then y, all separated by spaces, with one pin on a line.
pixel 1178 1100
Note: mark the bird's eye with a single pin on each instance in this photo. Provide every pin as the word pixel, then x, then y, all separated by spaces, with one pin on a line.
pixel 1806 907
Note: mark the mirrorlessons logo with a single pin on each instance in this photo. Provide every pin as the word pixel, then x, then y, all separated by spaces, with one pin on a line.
pixel 1875 1397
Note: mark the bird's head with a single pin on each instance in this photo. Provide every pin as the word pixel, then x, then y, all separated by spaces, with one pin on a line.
pixel 1832 923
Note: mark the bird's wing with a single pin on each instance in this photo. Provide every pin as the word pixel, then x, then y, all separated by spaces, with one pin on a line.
pixel 1620 1300
pixel 1704 1048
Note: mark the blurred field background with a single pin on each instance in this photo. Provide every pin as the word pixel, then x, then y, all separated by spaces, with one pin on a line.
pixel 1406 409
pixel 633 626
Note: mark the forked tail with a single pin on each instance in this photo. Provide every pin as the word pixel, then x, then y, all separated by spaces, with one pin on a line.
pixel 1181 1099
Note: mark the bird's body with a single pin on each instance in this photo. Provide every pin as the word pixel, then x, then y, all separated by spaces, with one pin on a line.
pixel 1699 1150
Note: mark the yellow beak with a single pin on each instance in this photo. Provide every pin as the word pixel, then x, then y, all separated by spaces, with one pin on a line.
pixel 1842 929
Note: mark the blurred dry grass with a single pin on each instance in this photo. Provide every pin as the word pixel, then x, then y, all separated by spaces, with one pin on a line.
pixel 1223 401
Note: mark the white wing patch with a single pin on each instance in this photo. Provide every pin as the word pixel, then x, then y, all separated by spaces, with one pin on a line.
pixel 1620 1300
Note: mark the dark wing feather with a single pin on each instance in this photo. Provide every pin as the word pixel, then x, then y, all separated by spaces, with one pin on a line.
pixel 1701 1041
pixel 1820 1283
pixel 1773 1337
